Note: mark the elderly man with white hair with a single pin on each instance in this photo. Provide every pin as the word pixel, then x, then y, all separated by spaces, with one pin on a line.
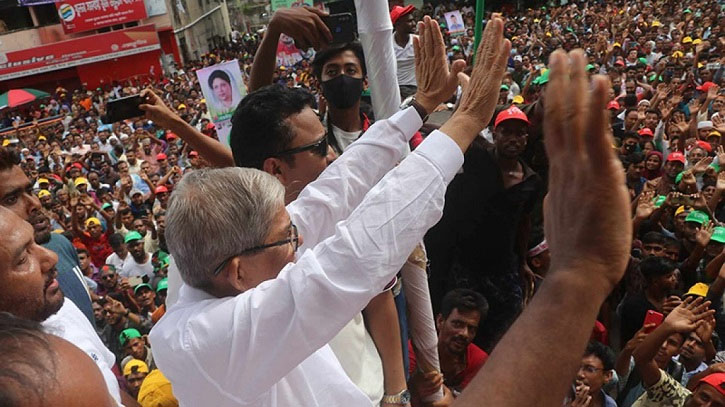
pixel 253 320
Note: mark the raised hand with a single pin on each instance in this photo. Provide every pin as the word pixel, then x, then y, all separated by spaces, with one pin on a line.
pixel 587 196
pixel 303 24
pixel 685 317
pixel 156 110
pixel 671 303
pixel 719 125
pixel 645 205
pixel 479 99
pixel 702 165
pixel 582 397
pixel 436 82
pixel 704 329
pixel 703 235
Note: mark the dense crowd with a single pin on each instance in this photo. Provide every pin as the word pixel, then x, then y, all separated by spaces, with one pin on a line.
pixel 98 194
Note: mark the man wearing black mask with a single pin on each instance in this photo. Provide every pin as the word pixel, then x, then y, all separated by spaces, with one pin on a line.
pixel 341 72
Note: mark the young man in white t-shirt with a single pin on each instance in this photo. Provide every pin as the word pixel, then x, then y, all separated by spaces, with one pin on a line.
pixel 404 26
pixel 120 251
pixel 139 263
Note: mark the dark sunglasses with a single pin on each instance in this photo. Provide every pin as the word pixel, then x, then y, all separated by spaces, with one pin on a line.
pixel 319 147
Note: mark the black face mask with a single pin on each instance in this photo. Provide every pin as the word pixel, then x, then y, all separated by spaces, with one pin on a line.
pixel 342 91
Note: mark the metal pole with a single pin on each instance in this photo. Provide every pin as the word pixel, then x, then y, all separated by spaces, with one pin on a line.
pixel 479 26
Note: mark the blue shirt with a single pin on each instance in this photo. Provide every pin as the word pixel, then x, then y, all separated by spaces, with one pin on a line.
pixel 70 277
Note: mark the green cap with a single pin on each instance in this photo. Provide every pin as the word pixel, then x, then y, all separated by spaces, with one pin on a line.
pixel 504 87
pixel 138 287
pixel 456 48
pixel 442 25
pixel 543 78
pixel 687 11
pixel 162 285
pixel 643 60
pixel 659 200
pixel 678 178
pixel 132 236
pixel 697 217
pixel 127 334
pixel 107 205
pixel 590 67
pixel 718 235
pixel 714 166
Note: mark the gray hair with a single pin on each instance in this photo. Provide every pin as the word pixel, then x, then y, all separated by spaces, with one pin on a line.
pixel 214 214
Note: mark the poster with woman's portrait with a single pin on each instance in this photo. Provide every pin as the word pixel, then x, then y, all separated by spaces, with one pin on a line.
pixel 223 88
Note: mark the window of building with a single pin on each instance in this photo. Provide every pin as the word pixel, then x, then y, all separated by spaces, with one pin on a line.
pixel 46 14
pixel 14 17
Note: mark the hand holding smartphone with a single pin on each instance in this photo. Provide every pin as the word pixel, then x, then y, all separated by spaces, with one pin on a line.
pixel 124 108
pixel 653 317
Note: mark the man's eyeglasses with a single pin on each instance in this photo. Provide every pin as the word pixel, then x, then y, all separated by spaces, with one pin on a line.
pixel 293 238
pixel 590 368
pixel 319 147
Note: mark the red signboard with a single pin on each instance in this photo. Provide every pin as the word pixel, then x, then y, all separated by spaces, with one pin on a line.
pixel 84 50
pixel 84 15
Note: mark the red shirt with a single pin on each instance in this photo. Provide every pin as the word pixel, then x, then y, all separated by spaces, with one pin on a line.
pixel 99 249
pixel 475 358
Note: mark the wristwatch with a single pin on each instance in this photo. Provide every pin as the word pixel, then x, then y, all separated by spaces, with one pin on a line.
pixel 410 101
pixel 402 398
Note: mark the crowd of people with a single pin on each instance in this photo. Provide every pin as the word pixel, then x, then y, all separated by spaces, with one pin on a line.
pixel 270 271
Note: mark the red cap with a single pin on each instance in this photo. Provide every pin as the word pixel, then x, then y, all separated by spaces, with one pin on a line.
pixel 160 156
pixel 171 135
pixel 193 154
pixel 705 145
pixel 619 62
pixel 646 132
pixel 676 156
pixel 512 112
pixel 160 189
pixel 705 86
pixel 613 105
pixel 716 380
pixel 210 126
pixel 398 12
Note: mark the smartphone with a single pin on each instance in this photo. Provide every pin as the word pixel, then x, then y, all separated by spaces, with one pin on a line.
pixel 653 317
pixel 134 281
pixel 342 27
pixel 124 108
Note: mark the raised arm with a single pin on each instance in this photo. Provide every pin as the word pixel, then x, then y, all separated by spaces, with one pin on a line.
pixel 587 200
pixel 301 23
pixel 212 150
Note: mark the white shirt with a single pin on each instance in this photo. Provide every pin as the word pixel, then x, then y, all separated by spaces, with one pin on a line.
pixel 116 261
pixel 70 324
pixel 132 269
pixel 268 345
pixel 405 58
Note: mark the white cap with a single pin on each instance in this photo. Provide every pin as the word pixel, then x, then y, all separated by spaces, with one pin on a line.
pixel 704 125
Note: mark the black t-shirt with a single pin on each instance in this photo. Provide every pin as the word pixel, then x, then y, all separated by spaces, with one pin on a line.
pixel 477 234
pixel 632 311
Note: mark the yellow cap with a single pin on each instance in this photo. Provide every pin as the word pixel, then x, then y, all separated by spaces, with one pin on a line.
pixel 140 365
pixel 699 289
pixel 156 391
pixel 182 106
pixel 518 99
pixel 714 133
pixel 202 101
pixel 700 65
pixel 548 34
pixel 687 40
pixel 677 54
pixel 6 143
pixel 680 210
pixel 656 24
pixel 93 222
pixel 696 41
pixel 43 180
pixel 43 193
pixel 42 138
pixel 536 20
pixel 616 44
pixel 80 181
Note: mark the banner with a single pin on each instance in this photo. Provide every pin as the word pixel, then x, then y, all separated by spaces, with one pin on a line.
pixel 288 54
pixel 85 15
pixel 289 3
pixel 454 21
pixel 24 3
pixel 223 89
pixel 78 51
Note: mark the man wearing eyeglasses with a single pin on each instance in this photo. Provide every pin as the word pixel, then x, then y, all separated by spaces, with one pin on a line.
pixel 596 370
pixel 253 320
